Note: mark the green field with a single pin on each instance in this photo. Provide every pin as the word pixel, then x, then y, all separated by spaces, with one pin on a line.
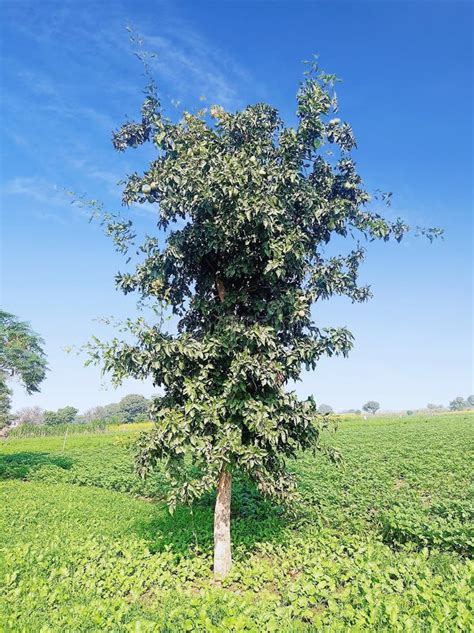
pixel 380 543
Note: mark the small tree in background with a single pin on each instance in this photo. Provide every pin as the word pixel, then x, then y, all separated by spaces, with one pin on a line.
pixel 66 415
pixel 458 404
pixel 372 406
pixel 133 408
pixel 246 207
pixel 29 415
pixel 470 401
pixel 111 413
pixel 325 409
pixel 21 357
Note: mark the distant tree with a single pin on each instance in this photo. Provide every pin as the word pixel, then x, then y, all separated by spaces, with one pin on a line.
pixel 357 411
pixel 21 357
pixel 470 401
pixel 112 412
pixel 458 404
pixel 93 414
pixel 372 406
pixel 66 415
pixel 410 412
pixel 29 415
pixel 247 206
pixel 325 409
pixel 432 406
pixel 133 408
pixel 51 418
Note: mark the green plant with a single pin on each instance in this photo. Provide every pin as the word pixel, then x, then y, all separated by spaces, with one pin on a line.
pixel 380 544
pixel 252 204
pixel 63 416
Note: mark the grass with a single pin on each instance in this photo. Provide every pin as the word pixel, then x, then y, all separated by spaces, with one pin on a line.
pixel 382 543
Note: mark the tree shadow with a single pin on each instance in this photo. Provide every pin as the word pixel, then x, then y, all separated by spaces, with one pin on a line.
pixel 190 528
pixel 21 465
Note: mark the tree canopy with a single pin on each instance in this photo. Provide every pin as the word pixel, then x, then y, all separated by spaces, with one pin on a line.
pixel 21 357
pixel 372 406
pixel 246 207
pixel 132 408
pixel 458 404
pixel 66 415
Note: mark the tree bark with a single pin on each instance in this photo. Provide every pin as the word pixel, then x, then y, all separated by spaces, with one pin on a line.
pixel 222 546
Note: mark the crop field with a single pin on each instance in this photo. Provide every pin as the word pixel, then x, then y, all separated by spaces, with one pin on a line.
pixel 381 542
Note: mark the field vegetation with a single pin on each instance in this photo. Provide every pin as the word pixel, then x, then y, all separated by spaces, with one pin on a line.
pixel 381 542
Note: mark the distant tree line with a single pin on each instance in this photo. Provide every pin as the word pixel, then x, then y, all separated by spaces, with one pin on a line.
pixel 131 408
pixel 134 408
pixel 461 404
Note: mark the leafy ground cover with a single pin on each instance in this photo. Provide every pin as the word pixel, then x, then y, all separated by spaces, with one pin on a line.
pixel 381 543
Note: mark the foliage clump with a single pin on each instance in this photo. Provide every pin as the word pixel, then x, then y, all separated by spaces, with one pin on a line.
pixel 246 208
pixel 21 357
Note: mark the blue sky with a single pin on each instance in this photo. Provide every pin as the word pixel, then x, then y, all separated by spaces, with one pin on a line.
pixel 69 77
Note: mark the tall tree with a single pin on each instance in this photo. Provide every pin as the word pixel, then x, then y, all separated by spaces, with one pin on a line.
pixel 458 404
pixel 21 357
pixel 246 207
pixel 132 408
pixel 372 406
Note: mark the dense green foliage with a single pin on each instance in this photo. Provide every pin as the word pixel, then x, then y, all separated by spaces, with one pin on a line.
pixel 133 408
pixel 21 357
pixel 378 543
pixel 63 416
pixel 246 207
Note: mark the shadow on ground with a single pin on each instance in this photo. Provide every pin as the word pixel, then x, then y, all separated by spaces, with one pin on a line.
pixel 254 520
pixel 21 465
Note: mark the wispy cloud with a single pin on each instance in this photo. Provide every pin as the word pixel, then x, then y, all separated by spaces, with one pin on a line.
pixel 187 64
pixel 192 67
pixel 36 189
pixel 44 199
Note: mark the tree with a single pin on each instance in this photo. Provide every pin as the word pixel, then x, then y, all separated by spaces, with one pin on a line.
pixel 66 415
pixel 246 206
pixel 470 401
pixel 325 409
pixel 29 415
pixel 132 408
pixel 372 406
pixel 458 404
pixel 92 415
pixel 112 412
pixel 21 357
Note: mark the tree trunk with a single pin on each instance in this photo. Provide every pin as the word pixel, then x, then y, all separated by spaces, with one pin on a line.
pixel 222 548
